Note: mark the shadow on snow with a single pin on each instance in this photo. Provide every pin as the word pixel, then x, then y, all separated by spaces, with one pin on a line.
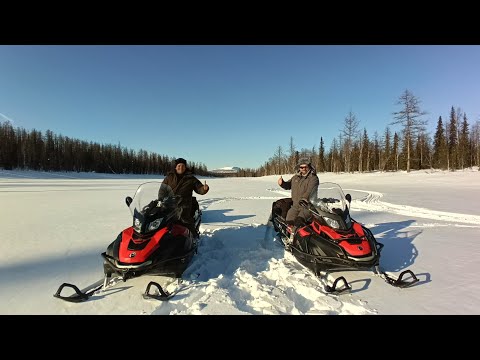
pixel 399 251
pixel 218 216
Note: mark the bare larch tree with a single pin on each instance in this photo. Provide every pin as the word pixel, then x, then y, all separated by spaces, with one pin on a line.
pixel 409 118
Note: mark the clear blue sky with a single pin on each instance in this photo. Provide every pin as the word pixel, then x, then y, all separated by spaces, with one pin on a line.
pixel 229 105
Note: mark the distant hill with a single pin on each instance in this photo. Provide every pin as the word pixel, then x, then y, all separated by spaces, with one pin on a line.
pixel 226 170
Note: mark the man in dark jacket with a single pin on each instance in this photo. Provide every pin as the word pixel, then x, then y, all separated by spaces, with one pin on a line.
pixel 302 185
pixel 183 183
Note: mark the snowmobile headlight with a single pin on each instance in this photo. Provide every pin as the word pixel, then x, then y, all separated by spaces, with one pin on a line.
pixel 332 223
pixel 137 225
pixel 154 224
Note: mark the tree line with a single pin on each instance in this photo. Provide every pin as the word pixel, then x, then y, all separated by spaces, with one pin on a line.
pixel 455 145
pixel 34 150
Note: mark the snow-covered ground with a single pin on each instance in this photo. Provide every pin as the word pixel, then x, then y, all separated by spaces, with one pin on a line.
pixel 55 225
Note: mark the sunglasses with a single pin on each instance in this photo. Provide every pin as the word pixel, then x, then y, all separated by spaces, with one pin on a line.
pixel 303 167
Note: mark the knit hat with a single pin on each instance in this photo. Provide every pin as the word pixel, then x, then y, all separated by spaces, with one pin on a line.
pixel 304 161
pixel 180 161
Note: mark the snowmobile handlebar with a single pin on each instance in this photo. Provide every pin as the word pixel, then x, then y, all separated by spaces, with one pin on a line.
pixel 329 200
pixel 306 203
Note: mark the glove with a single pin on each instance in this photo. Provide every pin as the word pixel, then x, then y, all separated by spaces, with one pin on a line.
pixel 303 203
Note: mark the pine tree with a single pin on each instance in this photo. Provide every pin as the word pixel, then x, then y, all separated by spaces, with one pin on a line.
pixel 321 157
pixel 453 141
pixel 376 151
pixel 366 151
pixel 387 151
pixel 463 144
pixel 439 146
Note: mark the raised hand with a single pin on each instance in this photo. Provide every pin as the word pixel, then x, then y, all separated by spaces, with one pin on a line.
pixel 280 180
pixel 205 186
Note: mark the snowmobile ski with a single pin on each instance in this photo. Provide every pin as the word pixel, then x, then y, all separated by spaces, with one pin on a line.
pixel 79 295
pixel 162 295
pixel 333 289
pixel 398 281
pixel 85 293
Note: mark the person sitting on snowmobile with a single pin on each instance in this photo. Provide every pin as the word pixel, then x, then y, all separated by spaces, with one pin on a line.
pixel 183 183
pixel 302 185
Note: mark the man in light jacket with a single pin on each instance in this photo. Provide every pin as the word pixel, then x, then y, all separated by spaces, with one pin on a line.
pixel 302 185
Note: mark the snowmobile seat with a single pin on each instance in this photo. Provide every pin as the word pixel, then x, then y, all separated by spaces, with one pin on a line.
pixel 280 207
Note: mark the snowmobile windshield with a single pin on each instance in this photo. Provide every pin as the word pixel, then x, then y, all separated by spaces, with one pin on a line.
pixel 152 196
pixel 329 198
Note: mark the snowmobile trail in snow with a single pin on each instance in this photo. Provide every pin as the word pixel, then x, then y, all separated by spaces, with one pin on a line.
pixel 371 202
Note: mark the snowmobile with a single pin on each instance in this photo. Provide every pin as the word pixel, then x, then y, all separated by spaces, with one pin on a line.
pixel 157 243
pixel 331 240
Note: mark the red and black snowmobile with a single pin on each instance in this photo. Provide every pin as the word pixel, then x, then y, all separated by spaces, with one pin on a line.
pixel 157 243
pixel 332 240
